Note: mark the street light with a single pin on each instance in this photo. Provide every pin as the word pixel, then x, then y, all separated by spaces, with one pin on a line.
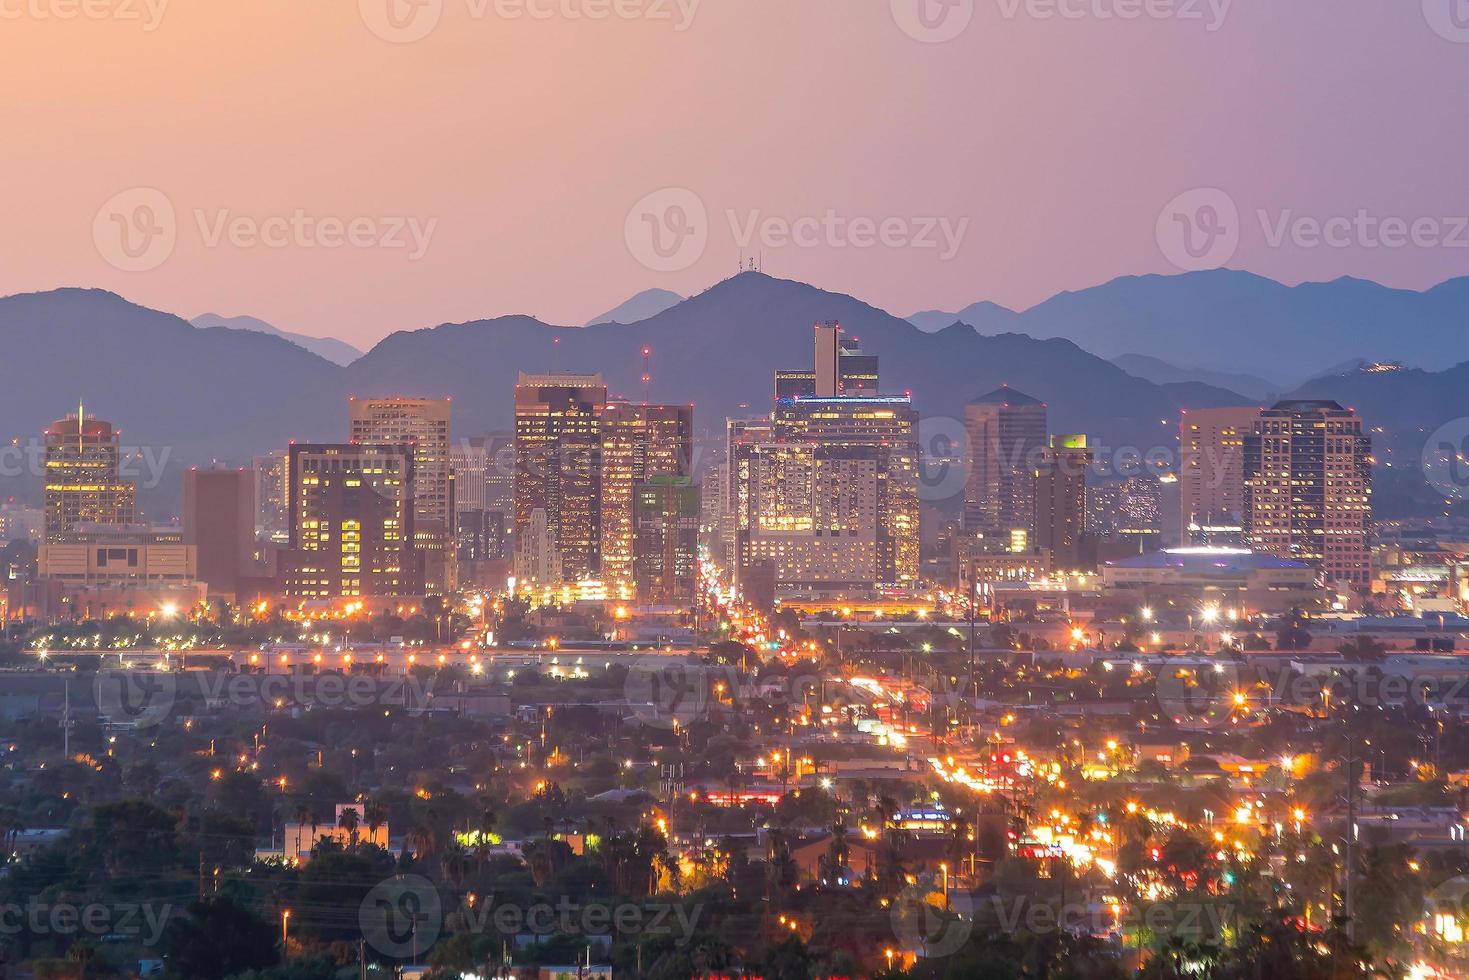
pixel 285 937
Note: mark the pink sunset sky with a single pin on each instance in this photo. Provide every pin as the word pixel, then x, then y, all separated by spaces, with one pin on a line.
pixel 516 136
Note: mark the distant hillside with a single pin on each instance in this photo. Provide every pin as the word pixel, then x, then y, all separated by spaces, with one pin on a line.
pixel 721 347
pixel 230 394
pixel 1238 322
pixel 650 302
pixel 1161 372
pixel 337 351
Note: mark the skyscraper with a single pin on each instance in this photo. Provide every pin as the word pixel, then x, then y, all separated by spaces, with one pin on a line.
pixel 1211 477
pixel 352 523
pixel 219 521
pixel 558 471
pixel 1308 487
pixel 1007 436
pixel 666 545
pixel 272 497
pixel 889 427
pixel 422 423
pixel 1060 503
pixel 639 442
pixel 841 368
pixel 83 482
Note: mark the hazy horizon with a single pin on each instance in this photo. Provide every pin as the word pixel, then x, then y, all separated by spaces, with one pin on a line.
pixel 331 171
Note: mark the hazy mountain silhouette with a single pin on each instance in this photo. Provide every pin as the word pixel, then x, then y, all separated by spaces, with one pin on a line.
pixel 230 394
pixel 337 351
pixel 721 347
pixel 1161 372
pixel 1243 323
pixel 650 302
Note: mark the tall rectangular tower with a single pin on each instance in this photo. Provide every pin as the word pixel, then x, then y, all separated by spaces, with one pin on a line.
pixel 83 476
pixel 1211 477
pixel 352 523
pixel 1060 503
pixel 558 472
pixel 422 423
pixel 1308 487
pixel 219 521
pixel 639 442
pixel 1007 438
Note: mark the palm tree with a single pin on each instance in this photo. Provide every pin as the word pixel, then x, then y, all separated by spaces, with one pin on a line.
pixel 349 821
pixel 374 815
pixel 303 816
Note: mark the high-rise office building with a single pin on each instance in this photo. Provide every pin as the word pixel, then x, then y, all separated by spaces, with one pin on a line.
pixel 352 523
pixel 1211 475
pixel 889 425
pixel 639 442
pixel 422 423
pixel 666 542
pixel 841 368
pixel 470 460
pixel 558 472
pixel 272 496
pixel 219 521
pixel 1060 504
pixel 1007 437
pixel 1308 487
pixel 83 484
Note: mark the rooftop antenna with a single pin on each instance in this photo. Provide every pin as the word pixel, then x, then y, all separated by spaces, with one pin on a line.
pixel 81 418
pixel 647 373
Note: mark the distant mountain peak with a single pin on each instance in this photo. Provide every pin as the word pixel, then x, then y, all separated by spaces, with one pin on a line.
pixel 648 303
pixel 338 352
